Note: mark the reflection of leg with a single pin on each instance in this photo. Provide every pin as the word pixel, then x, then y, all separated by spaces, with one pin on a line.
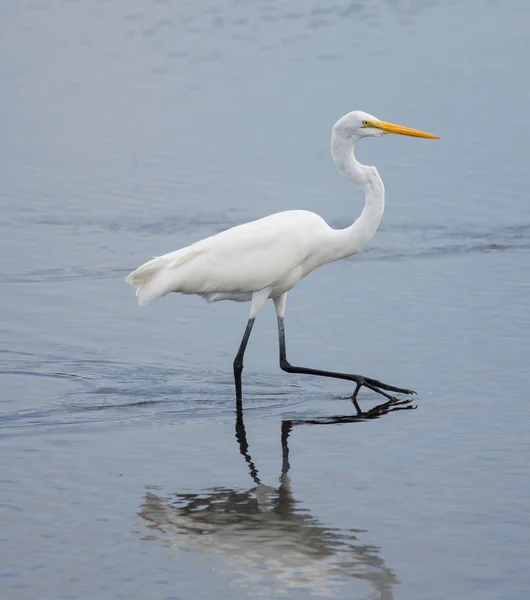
pixel 241 437
pixel 374 413
pixel 286 430
pixel 285 365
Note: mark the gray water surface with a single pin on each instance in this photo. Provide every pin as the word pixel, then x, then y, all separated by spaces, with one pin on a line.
pixel 134 128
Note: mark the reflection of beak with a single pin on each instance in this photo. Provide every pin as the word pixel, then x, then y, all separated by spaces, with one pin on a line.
pixel 391 128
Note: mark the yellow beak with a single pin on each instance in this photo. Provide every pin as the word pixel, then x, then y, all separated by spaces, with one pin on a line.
pixel 391 128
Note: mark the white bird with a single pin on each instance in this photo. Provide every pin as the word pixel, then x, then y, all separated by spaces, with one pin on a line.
pixel 266 258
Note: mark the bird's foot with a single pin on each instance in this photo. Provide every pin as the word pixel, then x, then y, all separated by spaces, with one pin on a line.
pixel 380 388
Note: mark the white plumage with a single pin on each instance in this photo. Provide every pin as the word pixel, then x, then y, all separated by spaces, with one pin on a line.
pixel 274 252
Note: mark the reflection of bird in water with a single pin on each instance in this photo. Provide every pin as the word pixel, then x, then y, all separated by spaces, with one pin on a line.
pixel 267 258
pixel 265 536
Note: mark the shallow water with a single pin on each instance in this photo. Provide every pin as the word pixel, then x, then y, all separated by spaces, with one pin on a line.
pixel 134 128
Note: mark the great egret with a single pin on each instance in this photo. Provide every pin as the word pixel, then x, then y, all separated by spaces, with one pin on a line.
pixel 266 258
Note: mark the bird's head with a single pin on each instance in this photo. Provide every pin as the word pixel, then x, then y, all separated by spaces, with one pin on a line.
pixel 358 124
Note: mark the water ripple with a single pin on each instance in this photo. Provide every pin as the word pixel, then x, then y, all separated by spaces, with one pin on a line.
pixel 107 393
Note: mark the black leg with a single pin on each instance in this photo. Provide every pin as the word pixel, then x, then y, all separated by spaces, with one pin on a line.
pixel 372 384
pixel 238 360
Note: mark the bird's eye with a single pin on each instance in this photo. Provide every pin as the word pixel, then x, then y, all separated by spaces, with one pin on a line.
pixel 365 123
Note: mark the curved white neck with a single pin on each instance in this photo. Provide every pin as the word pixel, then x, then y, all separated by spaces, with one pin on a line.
pixel 352 239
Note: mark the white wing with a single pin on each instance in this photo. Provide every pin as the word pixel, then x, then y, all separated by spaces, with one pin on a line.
pixel 244 259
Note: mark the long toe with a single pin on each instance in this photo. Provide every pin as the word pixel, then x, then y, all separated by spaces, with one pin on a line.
pixel 388 387
pixel 378 390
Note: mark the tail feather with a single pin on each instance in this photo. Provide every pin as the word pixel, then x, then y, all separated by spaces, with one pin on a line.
pixel 140 275
pixel 157 277
pixel 147 281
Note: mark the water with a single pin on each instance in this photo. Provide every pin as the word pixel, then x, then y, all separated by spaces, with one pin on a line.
pixel 134 128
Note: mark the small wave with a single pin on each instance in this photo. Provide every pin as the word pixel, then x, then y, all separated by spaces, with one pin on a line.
pixel 429 241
